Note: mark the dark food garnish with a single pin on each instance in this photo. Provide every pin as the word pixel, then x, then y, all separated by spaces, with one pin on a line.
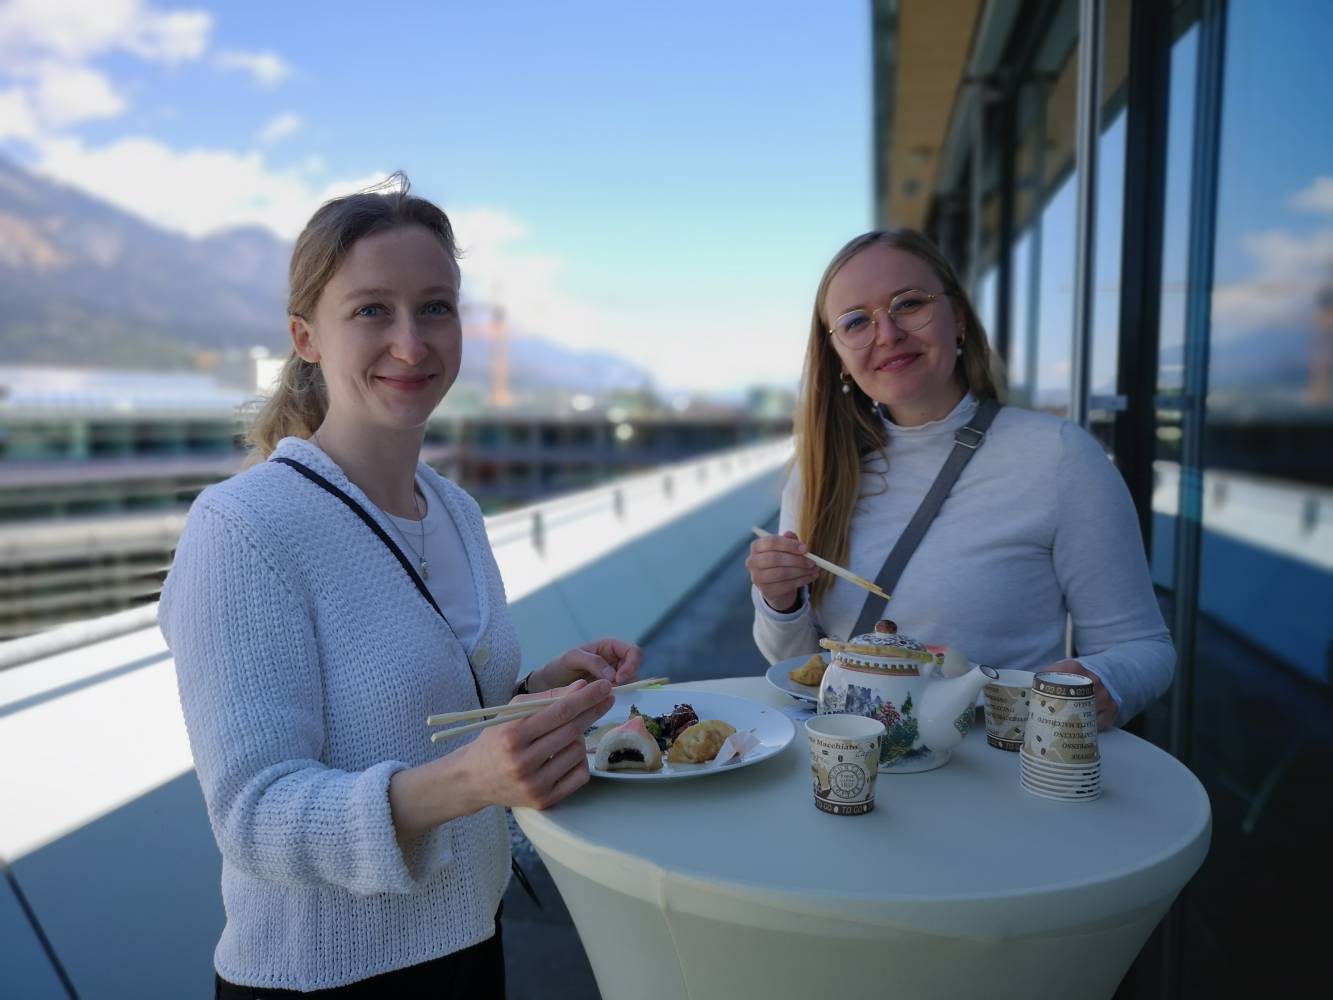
pixel 680 719
pixel 665 728
pixel 622 755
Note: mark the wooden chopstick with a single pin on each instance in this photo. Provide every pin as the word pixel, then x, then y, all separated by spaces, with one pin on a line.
pixel 835 569
pixel 522 707
pixel 511 712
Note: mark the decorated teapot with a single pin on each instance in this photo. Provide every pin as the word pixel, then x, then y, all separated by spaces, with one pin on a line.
pixel 923 694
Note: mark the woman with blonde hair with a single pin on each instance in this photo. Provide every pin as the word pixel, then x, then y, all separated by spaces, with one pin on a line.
pixel 327 599
pixel 1035 523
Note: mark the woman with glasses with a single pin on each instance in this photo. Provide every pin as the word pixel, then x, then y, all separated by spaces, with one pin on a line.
pixel 321 605
pixel 1038 523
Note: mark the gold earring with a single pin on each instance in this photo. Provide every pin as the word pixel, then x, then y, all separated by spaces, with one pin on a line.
pixel 846 383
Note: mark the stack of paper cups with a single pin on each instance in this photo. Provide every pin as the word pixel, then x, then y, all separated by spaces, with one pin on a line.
pixel 1060 759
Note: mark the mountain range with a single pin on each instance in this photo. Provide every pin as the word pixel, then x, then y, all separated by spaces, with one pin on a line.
pixel 85 283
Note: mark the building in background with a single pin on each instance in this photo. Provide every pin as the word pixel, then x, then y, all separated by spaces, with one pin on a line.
pixel 1187 269
pixel 97 469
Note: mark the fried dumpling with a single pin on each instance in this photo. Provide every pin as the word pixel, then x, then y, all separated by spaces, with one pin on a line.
pixel 700 742
pixel 809 673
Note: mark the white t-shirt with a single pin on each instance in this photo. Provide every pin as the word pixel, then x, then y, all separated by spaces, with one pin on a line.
pixel 450 574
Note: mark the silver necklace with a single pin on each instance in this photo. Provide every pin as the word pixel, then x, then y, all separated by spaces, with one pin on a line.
pixel 422 565
pixel 421 523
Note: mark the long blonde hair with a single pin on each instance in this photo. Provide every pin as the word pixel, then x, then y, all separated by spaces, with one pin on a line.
pixel 835 430
pixel 300 401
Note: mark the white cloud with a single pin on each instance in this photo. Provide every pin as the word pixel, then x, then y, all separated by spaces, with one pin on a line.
pixel 280 127
pixel 76 30
pixel 1289 270
pixel 688 342
pixel 194 191
pixel 173 37
pixel 65 94
pixel 46 49
pixel 268 68
pixel 17 120
pixel 498 269
pixel 1318 197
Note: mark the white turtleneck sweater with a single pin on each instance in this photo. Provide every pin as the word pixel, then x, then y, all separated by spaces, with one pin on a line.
pixel 1039 524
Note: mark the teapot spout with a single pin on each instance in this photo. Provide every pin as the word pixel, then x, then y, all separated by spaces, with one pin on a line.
pixel 944 700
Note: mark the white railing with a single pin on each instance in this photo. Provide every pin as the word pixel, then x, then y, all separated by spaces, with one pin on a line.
pixel 1290 519
pixel 534 546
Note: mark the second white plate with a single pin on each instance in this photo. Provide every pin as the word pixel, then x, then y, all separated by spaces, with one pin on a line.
pixel 777 676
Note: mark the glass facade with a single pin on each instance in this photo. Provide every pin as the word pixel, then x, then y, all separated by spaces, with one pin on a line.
pixel 1264 646
pixel 1210 350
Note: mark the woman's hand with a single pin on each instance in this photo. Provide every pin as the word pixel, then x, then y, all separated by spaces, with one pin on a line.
pixel 535 761
pixel 778 567
pixel 606 659
pixel 1107 708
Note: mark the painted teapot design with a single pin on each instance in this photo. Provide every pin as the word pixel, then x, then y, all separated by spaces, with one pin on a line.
pixel 923 694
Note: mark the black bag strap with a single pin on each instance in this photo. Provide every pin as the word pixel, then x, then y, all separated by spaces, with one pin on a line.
pixel 403 561
pixel 424 591
pixel 966 441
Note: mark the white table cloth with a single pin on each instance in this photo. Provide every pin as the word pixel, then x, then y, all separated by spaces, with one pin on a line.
pixel 958 883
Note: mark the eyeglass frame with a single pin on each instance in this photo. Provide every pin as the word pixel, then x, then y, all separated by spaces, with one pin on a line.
pixel 930 298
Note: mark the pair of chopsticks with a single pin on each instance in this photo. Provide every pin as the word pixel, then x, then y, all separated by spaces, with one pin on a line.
pixel 508 713
pixel 835 569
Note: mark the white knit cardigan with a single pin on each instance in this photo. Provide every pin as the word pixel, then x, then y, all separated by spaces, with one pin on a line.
pixel 307 662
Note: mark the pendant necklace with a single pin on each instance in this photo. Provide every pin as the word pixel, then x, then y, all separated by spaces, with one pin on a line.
pixel 421 523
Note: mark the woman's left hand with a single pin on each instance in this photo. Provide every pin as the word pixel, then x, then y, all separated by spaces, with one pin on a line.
pixel 606 659
pixel 1107 709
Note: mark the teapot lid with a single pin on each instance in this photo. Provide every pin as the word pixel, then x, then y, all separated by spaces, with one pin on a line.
pixel 886 636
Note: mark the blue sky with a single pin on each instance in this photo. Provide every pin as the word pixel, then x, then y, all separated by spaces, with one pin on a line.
pixel 663 180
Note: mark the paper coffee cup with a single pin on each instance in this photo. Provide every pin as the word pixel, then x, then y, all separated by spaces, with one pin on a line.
pixel 1006 709
pixel 1062 720
pixel 844 759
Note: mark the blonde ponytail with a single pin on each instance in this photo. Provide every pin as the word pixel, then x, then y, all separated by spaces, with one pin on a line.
pixel 296 409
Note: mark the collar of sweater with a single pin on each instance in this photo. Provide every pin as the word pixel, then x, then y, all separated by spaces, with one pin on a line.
pixel 315 458
pixel 301 450
pixel 948 424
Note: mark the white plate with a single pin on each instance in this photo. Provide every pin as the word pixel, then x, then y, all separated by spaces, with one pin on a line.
pixel 777 676
pixel 773 729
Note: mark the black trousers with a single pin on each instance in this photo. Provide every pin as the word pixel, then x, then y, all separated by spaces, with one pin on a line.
pixel 477 972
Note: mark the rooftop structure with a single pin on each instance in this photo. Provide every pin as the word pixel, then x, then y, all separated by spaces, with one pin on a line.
pixel 98 468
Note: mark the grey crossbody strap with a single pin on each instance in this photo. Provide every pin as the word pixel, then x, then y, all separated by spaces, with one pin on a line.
pixel 965 443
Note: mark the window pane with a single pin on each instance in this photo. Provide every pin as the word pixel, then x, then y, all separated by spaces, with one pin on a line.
pixel 1265 641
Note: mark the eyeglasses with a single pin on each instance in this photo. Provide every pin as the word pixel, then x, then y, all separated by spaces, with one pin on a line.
pixel 910 310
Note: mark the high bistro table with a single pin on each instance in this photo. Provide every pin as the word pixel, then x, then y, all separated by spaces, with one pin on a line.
pixel 959 883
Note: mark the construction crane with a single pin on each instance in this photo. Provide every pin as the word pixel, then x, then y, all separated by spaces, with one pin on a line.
pixel 487 319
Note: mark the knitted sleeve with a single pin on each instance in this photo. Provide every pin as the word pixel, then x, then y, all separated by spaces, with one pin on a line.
pixel 1098 556
pixel 248 671
pixel 780 636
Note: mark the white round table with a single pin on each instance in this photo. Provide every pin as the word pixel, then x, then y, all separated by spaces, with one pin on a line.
pixel 958 883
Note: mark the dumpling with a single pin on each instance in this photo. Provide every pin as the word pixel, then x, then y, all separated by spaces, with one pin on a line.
pixel 809 673
pixel 700 742
pixel 629 748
